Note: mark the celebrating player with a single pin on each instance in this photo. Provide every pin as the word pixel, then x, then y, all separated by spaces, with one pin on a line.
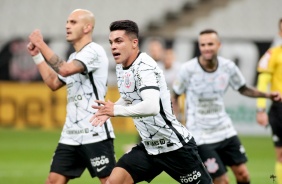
pixel 204 80
pixel 85 75
pixel 166 144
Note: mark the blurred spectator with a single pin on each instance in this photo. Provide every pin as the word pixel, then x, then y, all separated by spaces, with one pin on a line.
pixel 170 67
pixel 161 51
pixel 156 49
pixel 15 62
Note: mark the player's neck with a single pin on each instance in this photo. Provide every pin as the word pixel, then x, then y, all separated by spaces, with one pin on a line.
pixel 79 44
pixel 131 59
pixel 208 65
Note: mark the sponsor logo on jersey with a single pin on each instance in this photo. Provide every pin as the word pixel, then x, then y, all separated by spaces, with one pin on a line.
pixel 190 178
pixel 69 85
pixel 155 143
pixel 211 164
pixel 75 98
pixel 78 131
pixel 99 161
pixel 208 106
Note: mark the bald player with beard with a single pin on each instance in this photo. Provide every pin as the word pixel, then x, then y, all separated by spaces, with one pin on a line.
pixel 85 73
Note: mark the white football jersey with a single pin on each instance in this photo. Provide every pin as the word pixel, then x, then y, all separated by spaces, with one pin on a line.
pixel 82 90
pixel 206 115
pixel 160 133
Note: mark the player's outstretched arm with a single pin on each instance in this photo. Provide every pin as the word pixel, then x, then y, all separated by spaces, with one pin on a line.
pixel 253 92
pixel 149 106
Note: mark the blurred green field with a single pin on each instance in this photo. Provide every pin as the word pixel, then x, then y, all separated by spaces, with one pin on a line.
pixel 25 157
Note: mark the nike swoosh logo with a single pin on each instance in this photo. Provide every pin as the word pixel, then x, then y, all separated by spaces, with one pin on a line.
pixel 100 169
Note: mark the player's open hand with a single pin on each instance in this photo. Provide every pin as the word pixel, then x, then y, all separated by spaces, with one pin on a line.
pixel 105 111
pixel 98 120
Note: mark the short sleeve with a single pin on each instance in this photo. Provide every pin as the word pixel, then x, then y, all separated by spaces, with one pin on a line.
pixel 92 56
pixel 237 79
pixel 147 76
pixel 266 63
pixel 181 81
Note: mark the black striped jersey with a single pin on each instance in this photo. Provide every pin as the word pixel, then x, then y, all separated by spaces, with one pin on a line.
pixel 162 132
pixel 82 90
pixel 206 115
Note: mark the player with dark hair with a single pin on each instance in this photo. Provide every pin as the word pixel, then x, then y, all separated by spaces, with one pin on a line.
pixel 85 75
pixel 166 144
pixel 269 78
pixel 204 80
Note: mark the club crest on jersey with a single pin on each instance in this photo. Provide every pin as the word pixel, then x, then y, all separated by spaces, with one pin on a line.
pixel 127 82
pixel 211 164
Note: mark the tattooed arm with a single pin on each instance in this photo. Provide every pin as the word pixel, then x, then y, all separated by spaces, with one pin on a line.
pixel 57 64
pixel 63 68
pixel 253 92
pixel 53 65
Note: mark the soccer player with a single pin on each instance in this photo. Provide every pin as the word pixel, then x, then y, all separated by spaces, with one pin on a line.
pixel 204 80
pixel 85 74
pixel 166 144
pixel 270 77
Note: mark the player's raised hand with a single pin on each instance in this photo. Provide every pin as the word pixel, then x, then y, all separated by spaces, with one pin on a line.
pixel 32 49
pixel 36 38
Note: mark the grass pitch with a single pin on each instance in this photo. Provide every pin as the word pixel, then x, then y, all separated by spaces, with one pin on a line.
pixel 25 156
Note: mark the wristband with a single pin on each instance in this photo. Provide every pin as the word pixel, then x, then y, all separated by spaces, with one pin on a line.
pixel 260 110
pixel 38 58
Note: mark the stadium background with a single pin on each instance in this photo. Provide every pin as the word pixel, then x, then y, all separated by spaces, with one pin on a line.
pixel 246 28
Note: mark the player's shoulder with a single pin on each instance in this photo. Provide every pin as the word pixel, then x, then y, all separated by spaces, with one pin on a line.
pixel 275 50
pixel 95 47
pixel 225 61
pixel 190 63
pixel 146 59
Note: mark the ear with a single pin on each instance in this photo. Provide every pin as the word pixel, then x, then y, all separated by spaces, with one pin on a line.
pixel 87 28
pixel 219 44
pixel 135 43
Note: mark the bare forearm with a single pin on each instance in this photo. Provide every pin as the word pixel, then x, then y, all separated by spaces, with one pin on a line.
pixel 252 92
pixel 49 76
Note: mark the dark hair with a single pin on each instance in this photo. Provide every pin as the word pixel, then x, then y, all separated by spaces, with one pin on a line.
pixel 129 26
pixel 280 22
pixel 208 31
